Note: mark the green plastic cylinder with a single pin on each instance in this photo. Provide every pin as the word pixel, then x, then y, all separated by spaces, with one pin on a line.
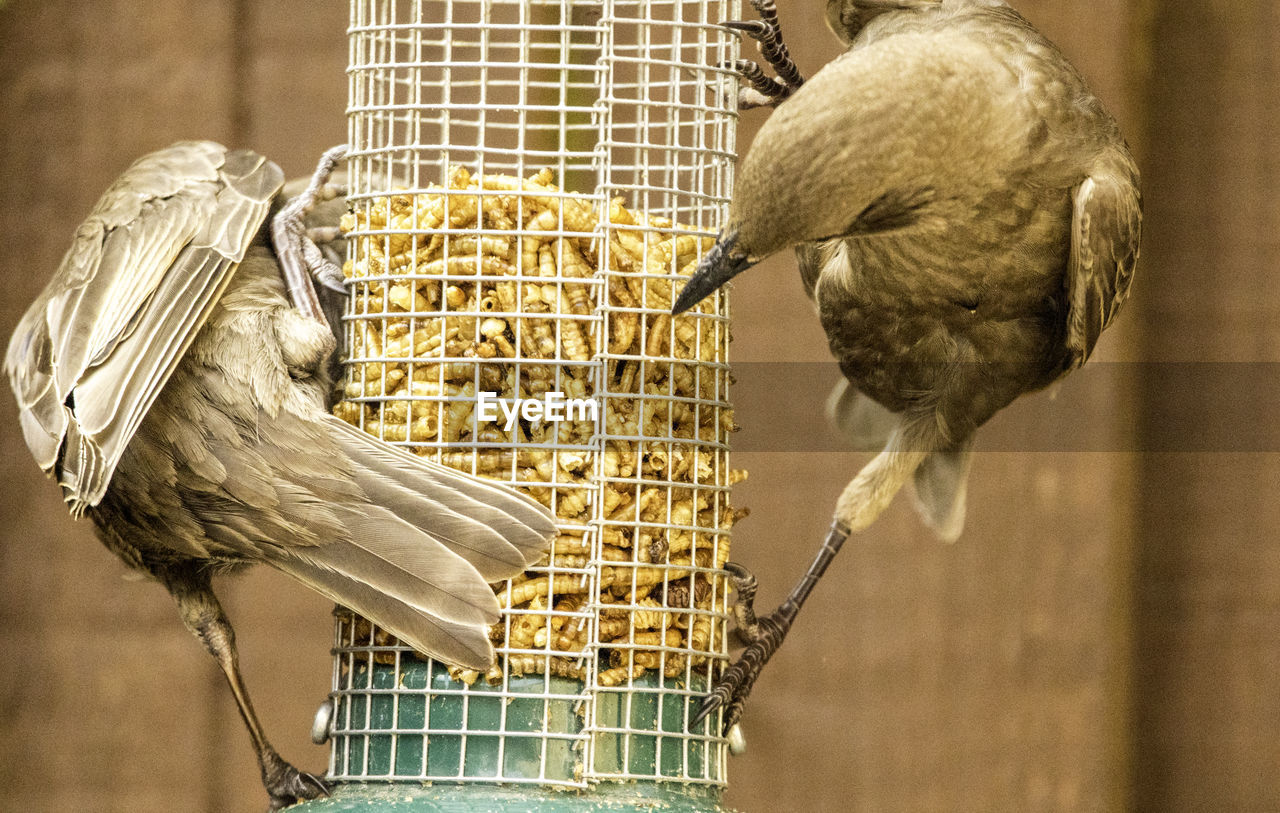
pixel 527 741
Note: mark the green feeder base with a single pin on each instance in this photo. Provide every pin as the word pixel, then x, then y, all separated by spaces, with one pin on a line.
pixel 443 797
pixel 478 733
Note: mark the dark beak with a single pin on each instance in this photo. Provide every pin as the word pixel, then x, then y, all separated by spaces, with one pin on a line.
pixel 721 264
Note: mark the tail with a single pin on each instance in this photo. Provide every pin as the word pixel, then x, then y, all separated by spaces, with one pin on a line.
pixel 491 525
pixel 862 421
pixel 416 559
pixel 409 616
pixel 942 482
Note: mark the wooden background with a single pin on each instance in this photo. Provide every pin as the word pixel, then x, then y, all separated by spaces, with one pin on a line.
pixel 1105 636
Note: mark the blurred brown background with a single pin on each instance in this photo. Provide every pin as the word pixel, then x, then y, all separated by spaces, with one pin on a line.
pixel 1105 636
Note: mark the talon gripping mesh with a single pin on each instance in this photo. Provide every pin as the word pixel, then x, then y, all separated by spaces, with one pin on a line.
pixel 530 183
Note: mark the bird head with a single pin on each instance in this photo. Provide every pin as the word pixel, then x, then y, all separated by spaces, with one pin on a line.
pixel 789 191
pixel 831 161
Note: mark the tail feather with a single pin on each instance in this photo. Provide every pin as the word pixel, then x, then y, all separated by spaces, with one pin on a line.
pixel 82 463
pixel 417 557
pixel 517 519
pixel 479 543
pixel 452 642
pixel 941 487
pixel 400 560
pixel 865 423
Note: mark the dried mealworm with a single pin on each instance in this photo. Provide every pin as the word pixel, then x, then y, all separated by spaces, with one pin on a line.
pixel 525 288
pixel 619 675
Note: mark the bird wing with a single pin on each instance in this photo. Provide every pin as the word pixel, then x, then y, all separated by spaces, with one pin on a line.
pixel 1106 228
pixel 91 354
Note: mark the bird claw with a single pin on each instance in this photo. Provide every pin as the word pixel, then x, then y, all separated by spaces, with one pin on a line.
pixel 288 786
pixel 761 89
pixel 330 276
pixel 765 90
pixel 763 637
pixel 301 260
pixel 710 703
pixel 735 685
pixel 328 239
pixel 746 625
pixel 321 235
pixel 756 29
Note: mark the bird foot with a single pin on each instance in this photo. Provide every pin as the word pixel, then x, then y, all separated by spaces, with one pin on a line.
pixel 746 625
pixel 301 260
pixel 328 272
pixel 763 637
pixel 287 785
pixel 763 90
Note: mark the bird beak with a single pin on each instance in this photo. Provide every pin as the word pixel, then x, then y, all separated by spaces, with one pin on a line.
pixel 721 264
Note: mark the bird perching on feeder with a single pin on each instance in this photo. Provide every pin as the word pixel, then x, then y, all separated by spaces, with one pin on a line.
pixel 966 216
pixel 176 387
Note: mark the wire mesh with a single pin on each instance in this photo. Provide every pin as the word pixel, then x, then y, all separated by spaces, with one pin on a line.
pixel 529 182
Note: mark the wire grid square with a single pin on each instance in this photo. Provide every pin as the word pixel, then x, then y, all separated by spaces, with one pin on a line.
pixel 623 102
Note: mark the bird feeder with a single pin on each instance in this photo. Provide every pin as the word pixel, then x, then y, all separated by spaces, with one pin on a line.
pixel 530 184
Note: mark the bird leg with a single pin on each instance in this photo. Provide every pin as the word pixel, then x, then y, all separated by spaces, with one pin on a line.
pixel 202 613
pixel 867 495
pixel 765 90
pixel 301 260
pixel 763 635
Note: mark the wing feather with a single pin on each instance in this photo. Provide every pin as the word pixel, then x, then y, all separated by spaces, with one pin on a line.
pixel 453 642
pixel 1106 229
pixel 146 267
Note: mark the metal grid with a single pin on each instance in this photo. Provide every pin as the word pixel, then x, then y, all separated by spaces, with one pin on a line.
pixel 529 180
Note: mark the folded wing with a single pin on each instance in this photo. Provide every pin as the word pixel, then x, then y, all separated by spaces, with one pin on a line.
pixel 89 357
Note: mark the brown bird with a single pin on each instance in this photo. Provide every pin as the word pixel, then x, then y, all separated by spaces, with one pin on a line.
pixel 166 380
pixel 966 217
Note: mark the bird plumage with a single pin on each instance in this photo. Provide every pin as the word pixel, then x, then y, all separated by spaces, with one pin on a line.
pixel 146 267
pixel 966 218
pixel 166 380
pixel 965 215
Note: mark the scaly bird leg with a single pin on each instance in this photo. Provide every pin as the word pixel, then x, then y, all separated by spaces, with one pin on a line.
pixel 866 496
pixel 763 635
pixel 301 260
pixel 191 587
pixel 765 90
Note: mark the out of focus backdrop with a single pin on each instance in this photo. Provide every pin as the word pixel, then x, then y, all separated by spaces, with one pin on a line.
pixel 1105 636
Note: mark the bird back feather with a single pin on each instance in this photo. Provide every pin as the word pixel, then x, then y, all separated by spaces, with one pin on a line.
pixel 91 354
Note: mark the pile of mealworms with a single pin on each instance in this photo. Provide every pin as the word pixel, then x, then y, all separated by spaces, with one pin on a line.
pixel 509 286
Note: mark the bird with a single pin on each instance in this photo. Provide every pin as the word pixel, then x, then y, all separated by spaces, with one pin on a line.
pixel 966 218
pixel 176 386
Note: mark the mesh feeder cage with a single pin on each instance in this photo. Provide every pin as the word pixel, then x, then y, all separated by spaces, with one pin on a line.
pixel 529 182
